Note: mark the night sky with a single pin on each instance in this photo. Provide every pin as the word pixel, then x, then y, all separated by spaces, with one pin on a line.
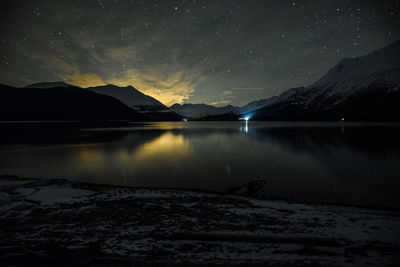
pixel 214 52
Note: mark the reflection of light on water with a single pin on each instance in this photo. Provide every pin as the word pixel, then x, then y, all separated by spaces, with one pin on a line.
pixel 91 156
pixel 245 128
pixel 166 125
pixel 168 146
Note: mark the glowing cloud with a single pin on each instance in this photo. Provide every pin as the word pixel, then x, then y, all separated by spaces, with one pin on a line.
pixel 82 80
pixel 167 88
pixel 70 72
pixel 167 84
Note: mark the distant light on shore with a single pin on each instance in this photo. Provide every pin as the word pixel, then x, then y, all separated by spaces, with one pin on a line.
pixel 245 118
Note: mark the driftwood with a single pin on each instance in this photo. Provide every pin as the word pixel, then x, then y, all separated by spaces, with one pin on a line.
pixel 249 188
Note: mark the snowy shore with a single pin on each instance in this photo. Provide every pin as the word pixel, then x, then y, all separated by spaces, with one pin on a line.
pixel 58 222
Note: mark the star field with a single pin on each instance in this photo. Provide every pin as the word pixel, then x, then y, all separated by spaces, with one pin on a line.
pixel 215 52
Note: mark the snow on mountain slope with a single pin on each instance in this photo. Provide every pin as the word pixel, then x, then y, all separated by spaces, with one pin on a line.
pixel 381 65
pixel 46 85
pixel 357 86
pixel 353 75
pixel 259 104
pixel 256 104
pixel 196 111
pixel 130 97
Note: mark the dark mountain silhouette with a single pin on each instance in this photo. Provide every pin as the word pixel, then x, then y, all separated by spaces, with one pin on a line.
pixel 60 103
pixel 198 111
pixel 130 96
pixel 46 85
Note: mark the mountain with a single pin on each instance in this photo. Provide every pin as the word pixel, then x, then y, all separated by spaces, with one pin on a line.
pixel 162 115
pixel 46 85
pixel 196 111
pixel 130 97
pixel 363 88
pixel 252 106
pixel 60 103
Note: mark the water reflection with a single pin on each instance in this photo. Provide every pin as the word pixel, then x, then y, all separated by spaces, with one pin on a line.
pixel 169 146
pixel 304 161
pixel 90 156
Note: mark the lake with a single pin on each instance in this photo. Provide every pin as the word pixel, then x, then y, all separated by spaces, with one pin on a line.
pixel 334 162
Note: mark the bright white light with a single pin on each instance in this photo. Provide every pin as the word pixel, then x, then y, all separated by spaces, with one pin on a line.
pixel 245 118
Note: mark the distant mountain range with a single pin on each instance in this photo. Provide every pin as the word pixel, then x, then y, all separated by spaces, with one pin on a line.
pixel 197 111
pixel 363 88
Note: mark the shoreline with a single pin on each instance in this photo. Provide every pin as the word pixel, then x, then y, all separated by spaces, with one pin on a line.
pixel 287 200
pixel 61 222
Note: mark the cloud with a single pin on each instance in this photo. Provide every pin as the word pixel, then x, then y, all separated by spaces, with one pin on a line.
pixel 225 98
pixel 227 94
pixel 169 88
pixel 166 84
pixel 82 80
pixel 221 103
pixel 69 72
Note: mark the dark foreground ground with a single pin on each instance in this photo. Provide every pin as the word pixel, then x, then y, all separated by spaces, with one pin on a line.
pixel 61 223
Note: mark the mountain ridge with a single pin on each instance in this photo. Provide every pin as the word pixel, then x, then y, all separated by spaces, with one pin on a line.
pixel 130 96
pixel 61 103
pixel 372 79
pixel 197 111
pixel 47 85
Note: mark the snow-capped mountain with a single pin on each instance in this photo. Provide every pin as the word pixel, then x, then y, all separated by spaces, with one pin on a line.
pixel 363 88
pixel 46 85
pixel 130 97
pixel 258 104
pixel 354 74
pixel 196 111
pixel 254 105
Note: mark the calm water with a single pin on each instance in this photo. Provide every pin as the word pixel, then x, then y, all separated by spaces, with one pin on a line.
pixel 346 163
